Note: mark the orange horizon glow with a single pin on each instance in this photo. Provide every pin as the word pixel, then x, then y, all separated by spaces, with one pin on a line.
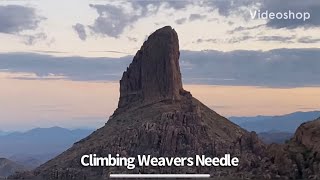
pixel 43 103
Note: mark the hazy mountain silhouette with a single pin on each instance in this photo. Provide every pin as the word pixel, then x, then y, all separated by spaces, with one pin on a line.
pixel 284 123
pixel 36 146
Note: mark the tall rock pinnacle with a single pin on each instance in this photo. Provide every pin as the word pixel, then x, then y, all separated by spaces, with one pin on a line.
pixel 154 73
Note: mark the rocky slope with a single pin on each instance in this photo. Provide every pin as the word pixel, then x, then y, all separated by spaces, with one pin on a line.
pixel 8 167
pixel 275 137
pixel 308 135
pixel 300 157
pixel 156 116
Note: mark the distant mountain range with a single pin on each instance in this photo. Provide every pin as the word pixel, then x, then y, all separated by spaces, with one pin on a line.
pixel 284 123
pixel 36 146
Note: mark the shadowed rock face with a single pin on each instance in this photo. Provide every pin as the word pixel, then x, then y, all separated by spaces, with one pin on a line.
pixel 154 73
pixel 308 135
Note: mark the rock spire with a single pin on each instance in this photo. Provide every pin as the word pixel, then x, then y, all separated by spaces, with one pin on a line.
pixel 154 73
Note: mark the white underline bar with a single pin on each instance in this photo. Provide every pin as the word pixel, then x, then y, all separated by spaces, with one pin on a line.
pixel 159 175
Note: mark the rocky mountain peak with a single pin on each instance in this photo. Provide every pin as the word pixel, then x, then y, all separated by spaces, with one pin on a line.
pixel 154 74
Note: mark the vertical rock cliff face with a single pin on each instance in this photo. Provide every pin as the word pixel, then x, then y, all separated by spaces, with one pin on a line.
pixel 154 73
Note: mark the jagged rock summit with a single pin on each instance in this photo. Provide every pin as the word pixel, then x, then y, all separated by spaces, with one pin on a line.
pixel 154 73
pixel 157 117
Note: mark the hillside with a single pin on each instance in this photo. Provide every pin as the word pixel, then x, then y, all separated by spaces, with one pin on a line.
pixel 275 137
pixel 8 167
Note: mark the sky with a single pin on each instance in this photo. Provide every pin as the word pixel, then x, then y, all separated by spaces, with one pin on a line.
pixel 60 61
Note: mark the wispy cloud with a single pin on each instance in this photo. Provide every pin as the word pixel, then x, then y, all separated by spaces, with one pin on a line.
pixel 274 68
pixel 282 39
pixel 308 40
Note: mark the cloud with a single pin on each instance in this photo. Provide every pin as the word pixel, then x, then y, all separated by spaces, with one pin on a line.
pixel 242 28
pixel 73 68
pixel 308 40
pixel 15 19
pixel 81 31
pixel 116 52
pixel 311 6
pixel 274 68
pixel 275 38
pixel 194 17
pixel 240 8
pixel 147 6
pixel 33 38
pixel 181 20
pixel 239 39
pixel 114 18
pixel 232 40
pixel 211 40
pixel 226 8
pixel 282 39
pixel 49 52
pixel 132 39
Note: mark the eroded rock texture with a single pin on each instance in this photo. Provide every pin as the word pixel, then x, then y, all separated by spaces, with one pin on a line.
pixel 300 157
pixel 154 73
